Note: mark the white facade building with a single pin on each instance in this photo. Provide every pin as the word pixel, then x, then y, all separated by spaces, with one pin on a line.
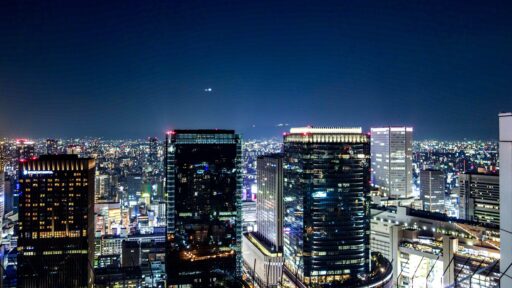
pixel 391 160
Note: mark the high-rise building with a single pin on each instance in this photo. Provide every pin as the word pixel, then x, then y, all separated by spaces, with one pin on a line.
pixel 326 205
pixel 133 186
pixel 52 147
pixel 262 250
pixel 203 194
pixel 432 186
pixel 505 152
pixel 479 198
pixel 153 150
pixel 56 228
pixel 102 189
pixel 391 154
pixel 2 192
pixel 269 201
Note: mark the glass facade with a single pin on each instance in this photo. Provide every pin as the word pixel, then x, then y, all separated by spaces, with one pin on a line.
pixel 326 205
pixel 56 222
pixel 204 188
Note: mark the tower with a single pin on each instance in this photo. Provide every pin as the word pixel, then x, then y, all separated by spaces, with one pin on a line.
pixel 203 195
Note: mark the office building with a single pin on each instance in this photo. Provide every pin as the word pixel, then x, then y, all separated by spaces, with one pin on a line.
pixel 56 228
pixel 102 189
pixel 391 160
pixel 269 201
pixel 153 150
pixel 132 185
pixel 326 206
pixel 52 147
pixel 432 186
pixel 204 188
pixel 262 250
pixel 479 198
pixel 505 152
pixel 2 193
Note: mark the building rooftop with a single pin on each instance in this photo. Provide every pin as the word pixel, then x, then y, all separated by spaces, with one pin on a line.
pixel 326 130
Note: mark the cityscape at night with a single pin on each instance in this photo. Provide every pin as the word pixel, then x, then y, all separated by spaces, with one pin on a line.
pixel 286 144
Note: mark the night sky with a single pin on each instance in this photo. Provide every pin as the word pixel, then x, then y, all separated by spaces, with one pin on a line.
pixel 123 69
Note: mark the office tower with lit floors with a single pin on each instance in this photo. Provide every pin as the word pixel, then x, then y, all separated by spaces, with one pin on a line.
pixel 263 249
pixel 56 227
pixel 432 186
pixel 326 208
pixel 391 160
pixel 479 197
pixel 203 195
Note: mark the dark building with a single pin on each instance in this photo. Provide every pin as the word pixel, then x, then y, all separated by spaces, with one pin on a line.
pixel 56 224
pixel 153 150
pixel 52 147
pixel 203 195
pixel 326 205
pixel 131 254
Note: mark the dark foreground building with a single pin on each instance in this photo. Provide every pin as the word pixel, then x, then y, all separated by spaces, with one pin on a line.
pixel 203 187
pixel 326 205
pixel 56 227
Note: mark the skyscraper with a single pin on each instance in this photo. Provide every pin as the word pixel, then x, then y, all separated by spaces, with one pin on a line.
pixel 204 188
pixel 2 192
pixel 326 204
pixel 102 189
pixel 269 201
pixel 505 130
pixel 56 244
pixel 153 150
pixel 480 197
pixel 262 250
pixel 391 150
pixel 432 186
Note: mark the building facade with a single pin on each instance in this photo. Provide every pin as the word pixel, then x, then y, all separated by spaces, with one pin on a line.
pixel 56 222
pixel 326 204
pixel 391 160
pixel 432 186
pixel 262 250
pixel 479 196
pixel 269 207
pixel 204 188
pixel 433 250
pixel 505 130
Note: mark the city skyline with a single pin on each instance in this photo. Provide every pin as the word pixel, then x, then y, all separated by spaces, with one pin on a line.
pixel 127 71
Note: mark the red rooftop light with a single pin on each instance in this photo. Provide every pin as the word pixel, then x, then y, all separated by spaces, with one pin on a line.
pixel 171 132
